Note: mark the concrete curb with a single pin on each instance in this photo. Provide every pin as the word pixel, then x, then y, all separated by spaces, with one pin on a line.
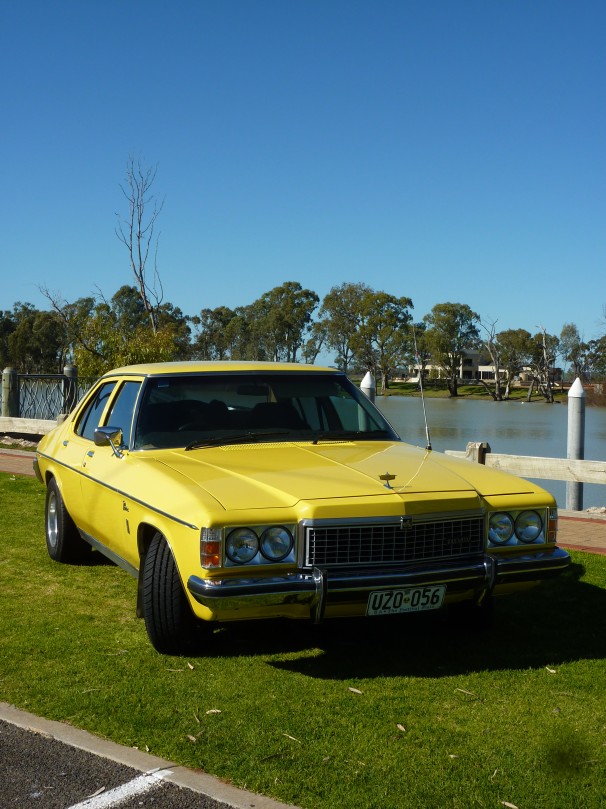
pixel 193 780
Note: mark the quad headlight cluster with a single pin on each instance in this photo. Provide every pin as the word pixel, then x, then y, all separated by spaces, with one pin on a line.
pixel 522 527
pixel 244 545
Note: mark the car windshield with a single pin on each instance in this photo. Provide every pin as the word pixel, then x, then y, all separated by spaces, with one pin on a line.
pixel 203 410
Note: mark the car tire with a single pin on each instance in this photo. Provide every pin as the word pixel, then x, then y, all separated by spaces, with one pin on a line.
pixel 63 541
pixel 170 623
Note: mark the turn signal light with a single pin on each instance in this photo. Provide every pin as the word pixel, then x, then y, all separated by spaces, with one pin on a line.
pixel 552 525
pixel 210 547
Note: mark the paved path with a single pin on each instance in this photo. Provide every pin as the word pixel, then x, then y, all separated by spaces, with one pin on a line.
pixel 578 530
pixel 55 765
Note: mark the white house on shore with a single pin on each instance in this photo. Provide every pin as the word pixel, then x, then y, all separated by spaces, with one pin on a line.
pixel 474 367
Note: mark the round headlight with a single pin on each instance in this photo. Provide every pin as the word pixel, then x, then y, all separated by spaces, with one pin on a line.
pixel 276 543
pixel 242 545
pixel 528 526
pixel 500 528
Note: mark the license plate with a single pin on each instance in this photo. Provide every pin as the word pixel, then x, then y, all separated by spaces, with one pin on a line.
pixel 409 599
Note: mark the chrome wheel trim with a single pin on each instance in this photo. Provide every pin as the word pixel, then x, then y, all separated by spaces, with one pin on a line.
pixel 52 520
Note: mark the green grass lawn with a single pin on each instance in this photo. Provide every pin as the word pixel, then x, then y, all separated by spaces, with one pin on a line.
pixel 416 712
pixel 438 389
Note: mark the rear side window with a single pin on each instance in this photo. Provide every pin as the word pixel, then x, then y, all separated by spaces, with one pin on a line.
pixel 93 411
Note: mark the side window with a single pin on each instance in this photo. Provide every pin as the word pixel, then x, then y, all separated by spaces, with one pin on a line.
pixel 94 410
pixel 121 413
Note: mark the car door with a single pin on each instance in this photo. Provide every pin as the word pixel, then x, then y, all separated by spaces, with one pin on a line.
pixel 106 474
pixel 72 454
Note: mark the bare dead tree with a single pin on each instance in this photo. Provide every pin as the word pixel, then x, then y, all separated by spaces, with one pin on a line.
pixel 491 345
pixel 137 232
pixel 74 317
pixel 542 362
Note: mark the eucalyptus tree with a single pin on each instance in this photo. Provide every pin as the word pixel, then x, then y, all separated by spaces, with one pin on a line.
pixel 572 349
pixel 243 338
pixel 383 338
pixel 36 341
pixel 7 327
pixel 213 340
pixel 128 312
pixel 420 355
pixel 596 359
pixel 515 348
pixel 451 330
pixel 280 320
pixel 103 334
pixel 341 316
pixel 315 341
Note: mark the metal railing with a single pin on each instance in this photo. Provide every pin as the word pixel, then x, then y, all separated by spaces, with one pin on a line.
pixel 41 396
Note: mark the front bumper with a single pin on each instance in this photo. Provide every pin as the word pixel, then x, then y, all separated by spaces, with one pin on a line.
pixel 37 471
pixel 319 593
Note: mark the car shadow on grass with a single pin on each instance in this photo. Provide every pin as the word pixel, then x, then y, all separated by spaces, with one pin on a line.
pixel 559 621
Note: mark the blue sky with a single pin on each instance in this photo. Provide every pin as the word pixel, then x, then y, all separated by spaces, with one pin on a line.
pixel 445 150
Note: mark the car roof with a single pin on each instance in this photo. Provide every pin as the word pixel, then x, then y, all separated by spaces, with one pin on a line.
pixel 193 367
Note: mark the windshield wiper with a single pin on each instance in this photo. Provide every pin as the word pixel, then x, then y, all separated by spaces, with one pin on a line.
pixel 238 438
pixel 331 435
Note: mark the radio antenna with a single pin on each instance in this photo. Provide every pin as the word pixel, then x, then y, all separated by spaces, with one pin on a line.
pixel 414 337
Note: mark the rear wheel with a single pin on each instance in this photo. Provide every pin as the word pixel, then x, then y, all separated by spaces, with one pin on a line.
pixel 63 541
pixel 170 623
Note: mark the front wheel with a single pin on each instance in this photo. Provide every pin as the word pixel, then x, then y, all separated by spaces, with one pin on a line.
pixel 63 541
pixel 170 623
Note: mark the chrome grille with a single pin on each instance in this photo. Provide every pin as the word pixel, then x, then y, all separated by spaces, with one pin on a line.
pixel 328 545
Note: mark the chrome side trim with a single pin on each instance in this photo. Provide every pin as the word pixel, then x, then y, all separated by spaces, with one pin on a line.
pixel 113 557
pixel 122 493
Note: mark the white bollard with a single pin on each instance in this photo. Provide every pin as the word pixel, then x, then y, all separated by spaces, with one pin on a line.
pixel 369 386
pixel 576 442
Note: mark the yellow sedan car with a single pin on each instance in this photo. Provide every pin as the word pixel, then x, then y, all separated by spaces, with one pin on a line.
pixel 239 491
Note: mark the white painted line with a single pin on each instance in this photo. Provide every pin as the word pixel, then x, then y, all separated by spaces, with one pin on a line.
pixel 138 786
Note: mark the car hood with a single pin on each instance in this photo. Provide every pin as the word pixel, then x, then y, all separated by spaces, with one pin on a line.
pixel 282 474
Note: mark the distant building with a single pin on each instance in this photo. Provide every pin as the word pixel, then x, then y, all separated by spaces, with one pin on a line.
pixel 475 367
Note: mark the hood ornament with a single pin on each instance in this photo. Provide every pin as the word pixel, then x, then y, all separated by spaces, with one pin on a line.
pixel 387 477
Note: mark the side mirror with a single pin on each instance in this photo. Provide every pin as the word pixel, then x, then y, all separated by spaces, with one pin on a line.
pixel 109 437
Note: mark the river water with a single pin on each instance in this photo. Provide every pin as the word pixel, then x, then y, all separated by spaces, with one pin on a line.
pixel 511 428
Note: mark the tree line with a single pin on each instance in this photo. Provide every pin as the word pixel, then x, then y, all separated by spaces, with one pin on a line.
pixel 362 328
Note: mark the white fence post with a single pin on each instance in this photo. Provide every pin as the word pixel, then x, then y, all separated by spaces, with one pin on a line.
pixel 576 442
pixel 10 392
pixel 69 388
pixel 369 386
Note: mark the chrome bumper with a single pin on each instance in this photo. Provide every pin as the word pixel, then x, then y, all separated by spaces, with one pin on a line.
pixel 315 590
pixel 37 471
